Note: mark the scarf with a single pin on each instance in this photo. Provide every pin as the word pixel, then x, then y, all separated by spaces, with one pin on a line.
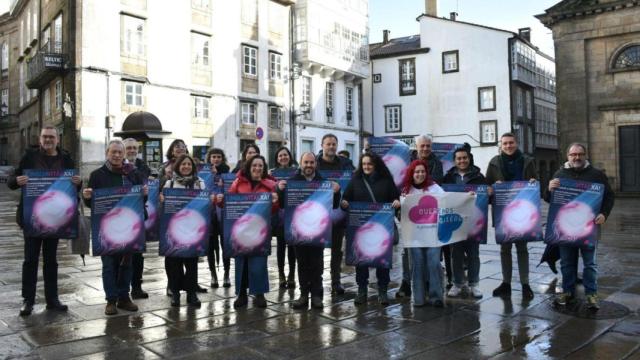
pixel 186 181
pixel 121 170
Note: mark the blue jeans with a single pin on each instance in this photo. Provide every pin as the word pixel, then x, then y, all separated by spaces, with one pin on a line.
pixel 362 276
pixel 472 249
pixel 569 267
pixel 116 276
pixel 425 265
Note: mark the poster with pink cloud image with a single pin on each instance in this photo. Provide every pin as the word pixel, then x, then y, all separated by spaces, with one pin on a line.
pixel 479 222
pixel 247 224
pixel 516 209
pixel 395 154
pixel 370 228
pixel 184 224
pixel 307 213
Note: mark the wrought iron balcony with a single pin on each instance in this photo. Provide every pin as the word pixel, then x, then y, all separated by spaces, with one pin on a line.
pixel 49 62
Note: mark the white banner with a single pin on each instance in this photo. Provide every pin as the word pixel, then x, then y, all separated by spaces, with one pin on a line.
pixel 435 220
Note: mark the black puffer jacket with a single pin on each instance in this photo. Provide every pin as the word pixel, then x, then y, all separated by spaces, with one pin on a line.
pixel 384 189
pixel 105 178
pixel 473 177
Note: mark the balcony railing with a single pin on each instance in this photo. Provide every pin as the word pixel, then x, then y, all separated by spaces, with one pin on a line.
pixel 46 64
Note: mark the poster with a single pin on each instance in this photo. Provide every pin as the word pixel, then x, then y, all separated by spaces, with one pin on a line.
pixel 572 211
pixel 435 220
pixel 152 224
pixel 444 152
pixel 117 220
pixel 247 224
pixel 50 204
pixel 480 216
pixel 227 180
pixel 207 176
pixel 283 174
pixel 342 177
pixel 185 222
pixel 395 154
pixel 370 235
pixel 307 214
pixel 517 211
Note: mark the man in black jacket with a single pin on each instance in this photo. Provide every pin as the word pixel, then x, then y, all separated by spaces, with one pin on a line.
pixel 329 160
pixel 309 258
pixel 47 156
pixel 578 168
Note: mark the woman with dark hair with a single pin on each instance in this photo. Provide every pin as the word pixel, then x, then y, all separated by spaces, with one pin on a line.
pixel 372 182
pixel 283 160
pixel 176 148
pixel 251 271
pixel 249 151
pixel 425 261
pixel 218 161
pixel 183 272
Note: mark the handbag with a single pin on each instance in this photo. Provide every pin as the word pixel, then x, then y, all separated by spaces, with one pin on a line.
pixel 396 236
pixel 82 244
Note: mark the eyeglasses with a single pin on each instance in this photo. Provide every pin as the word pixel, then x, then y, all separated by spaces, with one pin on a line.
pixel 577 155
pixel 181 146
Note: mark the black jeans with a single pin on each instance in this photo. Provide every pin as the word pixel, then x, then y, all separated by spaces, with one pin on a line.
pixel 137 266
pixel 310 268
pixel 215 246
pixel 49 268
pixel 337 234
pixel 281 248
pixel 362 276
pixel 183 274
pixel 446 254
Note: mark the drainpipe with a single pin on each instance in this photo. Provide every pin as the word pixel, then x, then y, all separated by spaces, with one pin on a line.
pixel 292 109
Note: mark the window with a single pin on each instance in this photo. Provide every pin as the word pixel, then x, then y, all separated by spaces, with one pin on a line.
pixel 46 102
pixel 248 112
pixel 328 101
pixel 58 94
pixel 351 148
pixel 487 98
pixel 250 60
pixel 528 104
pixel 249 12
pixel 275 117
pixel 57 34
pixel 407 77
pixel 306 90
pixel 133 36
pixel 5 56
pixel 201 4
pixel 200 49
pixel 201 107
pixel 519 102
pixel 393 118
pixel 4 103
pixel 275 66
pixel 46 38
pixel 450 61
pixel 307 145
pixel 133 93
pixel 349 105
pixel 629 57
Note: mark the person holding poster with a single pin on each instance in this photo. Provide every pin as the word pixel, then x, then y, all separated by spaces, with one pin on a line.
pixel 465 172
pixel 47 157
pixel 183 271
pixel 328 159
pixel 249 151
pixel 512 165
pixel 284 164
pixel 308 257
pixel 218 161
pixel 372 182
pixel 578 167
pixel 425 261
pixel 251 271
pixel 176 148
pixel 116 269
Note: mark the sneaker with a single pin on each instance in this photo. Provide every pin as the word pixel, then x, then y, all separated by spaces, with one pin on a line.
pixel 110 309
pixel 27 308
pixel 563 299
pixel 138 293
pixel 241 301
pixel 475 292
pixel 593 303
pixel 454 291
pixel 361 298
pixel 527 293
pixel 503 290
pixel 316 302
pixel 404 291
pixel 301 303
pixel 127 304
pixel 260 301
pixel 56 305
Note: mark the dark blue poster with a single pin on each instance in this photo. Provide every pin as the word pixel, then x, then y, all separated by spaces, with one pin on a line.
pixel 478 230
pixel 517 211
pixel 152 224
pixel 370 235
pixel 209 178
pixel 50 204
pixel 247 224
pixel 227 180
pixel 342 177
pixel 395 154
pixel 572 211
pixel 283 174
pixel 117 220
pixel 307 214
pixel 444 152
pixel 185 221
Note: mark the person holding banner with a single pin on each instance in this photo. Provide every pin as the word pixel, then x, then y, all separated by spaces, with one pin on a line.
pixel 465 172
pixel 47 157
pixel 512 165
pixel 251 271
pixel 284 161
pixel 578 167
pixel 249 151
pixel 116 269
pixel 425 261
pixel 218 161
pixel 329 160
pixel 372 182
pixel 176 148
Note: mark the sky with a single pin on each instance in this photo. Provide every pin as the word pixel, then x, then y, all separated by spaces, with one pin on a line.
pixel 399 17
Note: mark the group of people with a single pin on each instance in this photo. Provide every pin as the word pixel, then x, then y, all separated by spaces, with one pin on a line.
pixel 423 277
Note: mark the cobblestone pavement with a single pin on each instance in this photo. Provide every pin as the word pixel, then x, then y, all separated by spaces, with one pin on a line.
pixel 465 328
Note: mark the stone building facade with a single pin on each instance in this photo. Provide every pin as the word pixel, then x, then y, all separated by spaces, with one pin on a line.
pixel 597 49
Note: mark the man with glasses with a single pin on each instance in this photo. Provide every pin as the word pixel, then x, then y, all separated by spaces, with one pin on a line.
pixel 578 167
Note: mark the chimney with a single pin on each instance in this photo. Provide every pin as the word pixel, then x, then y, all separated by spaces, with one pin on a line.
pixel 453 15
pixel 385 36
pixel 431 7
pixel 525 33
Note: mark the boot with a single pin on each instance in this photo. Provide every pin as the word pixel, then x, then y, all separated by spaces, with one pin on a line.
pixel 225 280
pixel 126 304
pixel 192 299
pixel 302 302
pixel 175 299
pixel 138 293
pixel 282 280
pixel 383 299
pixel 241 301
pixel 260 301
pixel 361 298
pixel 214 279
pixel 56 305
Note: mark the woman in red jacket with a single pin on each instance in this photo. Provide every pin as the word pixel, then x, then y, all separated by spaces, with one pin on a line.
pixel 251 271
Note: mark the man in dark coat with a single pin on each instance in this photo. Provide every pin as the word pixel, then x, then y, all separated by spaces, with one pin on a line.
pixel 47 156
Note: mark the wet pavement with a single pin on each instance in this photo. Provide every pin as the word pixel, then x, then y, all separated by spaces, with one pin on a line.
pixel 464 329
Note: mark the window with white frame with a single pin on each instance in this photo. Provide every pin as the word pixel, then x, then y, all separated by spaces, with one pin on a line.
pixel 306 90
pixel 200 49
pixel 407 77
pixel 307 145
pixel 349 104
pixel 250 60
pixel 57 34
pixel 5 56
pixel 201 4
pixel 248 112
pixel 328 100
pixel 58 94
pixel 133 32
pixel 46 102
pixel 201 108
pixel 275 66
pixel 450 61
pixel 133 93
pixel 393 118
pixel 275 117
pixel 4 102
pixel 487 98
